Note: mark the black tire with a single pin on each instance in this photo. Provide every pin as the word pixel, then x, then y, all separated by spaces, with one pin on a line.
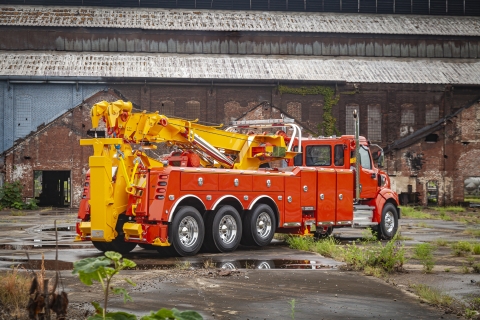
pixel 388 226
pixel 119 244
pixel 101 246
pixel 259 226
pixel 323 233
pixel 188 240
pixel 146 246
pixel 223 230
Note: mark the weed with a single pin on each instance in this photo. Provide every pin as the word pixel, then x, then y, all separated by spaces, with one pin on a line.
pixel 401 237
pixel 474 303
pixel 292 309
pixel 280 236
pixel 465 269
pixel 461 248
pixel 11 197
pixel 424 253
pixel 300 243
pixel 476 269
pixel 455 209
pixel 445 217
pixel 469 313
pixel 208 264
pixel 447 269
pixel 185 265
pixel 433 295
pixel 374 271
pixel 368 235
pixel 411 212
pixel 18 213
pixel 473 232
pixel 326 247
pixel 441 242
pixel 476 248
pixel 14 292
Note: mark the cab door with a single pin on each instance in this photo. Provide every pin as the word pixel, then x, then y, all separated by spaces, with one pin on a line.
pixel 368 174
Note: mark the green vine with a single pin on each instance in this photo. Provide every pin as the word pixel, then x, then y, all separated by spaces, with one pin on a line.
pixel 327 126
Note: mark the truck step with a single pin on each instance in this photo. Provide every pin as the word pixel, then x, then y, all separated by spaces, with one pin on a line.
pixel 363 216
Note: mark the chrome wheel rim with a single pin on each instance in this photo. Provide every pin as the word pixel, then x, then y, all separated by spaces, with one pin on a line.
pixel 188 231
pixel 389 221
pixel 264 225
pixel 263 265
pixel 227 229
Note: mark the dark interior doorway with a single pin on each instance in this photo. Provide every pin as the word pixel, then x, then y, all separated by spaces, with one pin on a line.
pixel 52 188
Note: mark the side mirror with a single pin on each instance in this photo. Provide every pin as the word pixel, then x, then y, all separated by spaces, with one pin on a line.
pixel 381 159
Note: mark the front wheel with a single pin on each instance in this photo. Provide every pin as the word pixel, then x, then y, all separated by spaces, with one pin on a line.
pixel 187 231
pixel 389 223
pixel 259 226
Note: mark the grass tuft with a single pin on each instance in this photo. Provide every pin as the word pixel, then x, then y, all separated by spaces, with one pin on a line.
pixel 455 209
pixel 14 292
pixel 461 248
pixel 424 253
pixel 412 212
pixel 441 242
pixel 473 232
pixel 433 296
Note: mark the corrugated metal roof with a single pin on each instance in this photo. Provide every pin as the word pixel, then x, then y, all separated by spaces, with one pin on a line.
pixel 207 20
pixel 173 66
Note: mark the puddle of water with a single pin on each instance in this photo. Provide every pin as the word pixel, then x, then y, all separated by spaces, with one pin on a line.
pixel 37 264
pixel 240 264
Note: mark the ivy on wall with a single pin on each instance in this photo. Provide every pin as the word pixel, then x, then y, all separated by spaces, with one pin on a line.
pixel 327 126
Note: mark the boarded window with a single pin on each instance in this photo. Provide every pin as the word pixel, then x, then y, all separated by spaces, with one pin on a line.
pixel 432 113
pixel 23 116
pixel 295 110
pixel 193 109
pixel 349 121
pixel 408 117
pixel 374 123
pixel 167 108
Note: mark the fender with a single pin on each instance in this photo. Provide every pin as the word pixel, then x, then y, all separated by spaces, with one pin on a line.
pixel 172 208
pixel 384 196
pixel 226 197
pixel 279 213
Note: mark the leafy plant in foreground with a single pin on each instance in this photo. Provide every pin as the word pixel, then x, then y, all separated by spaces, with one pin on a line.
pixel 100 270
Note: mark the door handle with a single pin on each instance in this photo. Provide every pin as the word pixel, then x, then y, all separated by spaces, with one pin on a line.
pixel 374 175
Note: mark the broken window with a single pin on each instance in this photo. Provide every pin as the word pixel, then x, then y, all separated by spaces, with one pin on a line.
pixel 408 117
pixel 432 193
pixel 432 113
pixel 471 191
pixel 167 108
pixel 193 109
pixel 374 123
pixel 349 120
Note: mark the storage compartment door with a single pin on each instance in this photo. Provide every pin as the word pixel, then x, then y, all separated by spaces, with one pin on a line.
pixel 345 190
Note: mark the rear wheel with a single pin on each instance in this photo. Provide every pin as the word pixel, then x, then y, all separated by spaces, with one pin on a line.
pixel 102 246
pixel 187 231
pixel 223 230
pixel 389 223
pixel 119 244
pixel 259 226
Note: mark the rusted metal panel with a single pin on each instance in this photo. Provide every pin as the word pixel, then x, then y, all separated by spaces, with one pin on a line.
pixel 387 48
pixel 197 47
pixel 185 19
pixel 112 44
pixel 215 46
pixel 422 48
pixel 223 47
pixel 352 47
pixel 456 49
pixel 361 48
pixel 275 48
pixel 378 47
pixel 369 48
pixel 464 53
pixel 343 47
pixel 395 49
pixel 103 44
pixel 233 47
pixel 472 49
pixel 172 45
pixel 152 46
pixel 438 50
pixel 87 44
pixel 317 48
pixel 326 48
pixel 447 49
pixel 404 49
pixel 308 49
pixel 430 49
pixel 413 49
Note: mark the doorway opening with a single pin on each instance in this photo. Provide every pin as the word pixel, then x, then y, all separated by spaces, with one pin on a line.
pixel 52 188
pixel 432 193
